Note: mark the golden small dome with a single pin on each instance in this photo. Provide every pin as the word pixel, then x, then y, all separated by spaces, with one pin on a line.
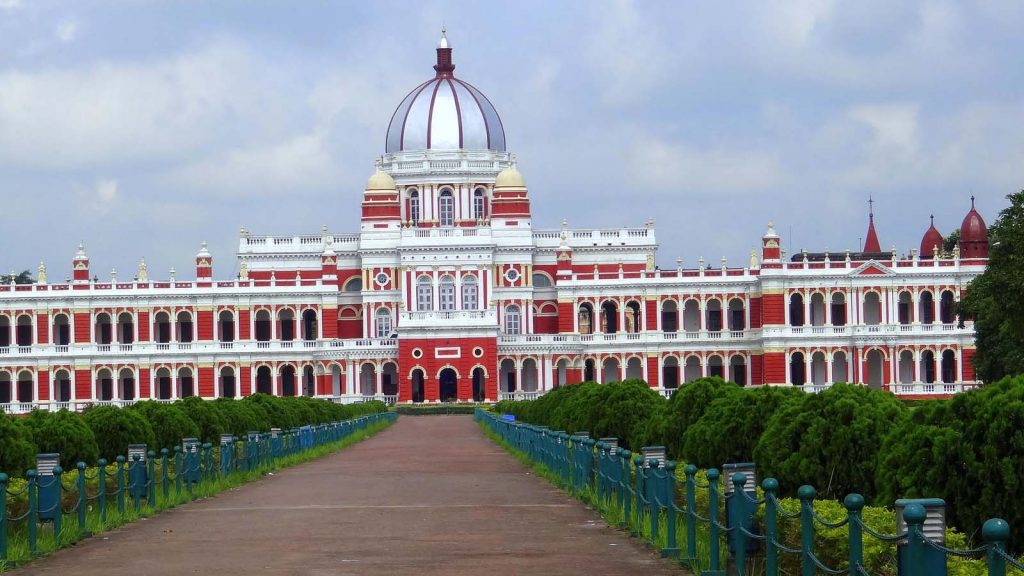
pixel 380 180
pixel 509 178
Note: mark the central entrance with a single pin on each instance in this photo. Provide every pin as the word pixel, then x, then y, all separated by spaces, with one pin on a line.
pixel 448 383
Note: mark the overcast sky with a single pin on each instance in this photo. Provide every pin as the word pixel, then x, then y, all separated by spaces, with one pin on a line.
pixel 144 127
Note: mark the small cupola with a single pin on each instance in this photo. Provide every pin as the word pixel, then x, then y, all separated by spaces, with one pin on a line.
pixel 931 241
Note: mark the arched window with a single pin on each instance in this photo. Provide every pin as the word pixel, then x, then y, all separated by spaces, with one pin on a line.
pixel 478 204
pixel 512 320
pixel 424 293
pixel 541 280
pixel 446 208
pixel 414 206
pixel 354 284
pixel 446 293
pixel 469 293
pixel 383 322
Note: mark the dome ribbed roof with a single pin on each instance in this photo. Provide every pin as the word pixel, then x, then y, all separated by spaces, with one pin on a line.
pixel 509 178
pixel 973 228
pixel 445 113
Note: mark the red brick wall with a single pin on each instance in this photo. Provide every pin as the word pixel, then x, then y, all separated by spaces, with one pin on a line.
pixel 775 368
pixel 204 325
pixel 81 328
pixel 774 309
pixel 757 369
pixel 43 380
pixel 968 355
pixel 755 313
pixel 243 325
pixel 143 383
pixel 83 384
pixel 207 384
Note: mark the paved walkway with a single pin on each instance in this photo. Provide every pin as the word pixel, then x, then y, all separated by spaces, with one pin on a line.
pixel 430 495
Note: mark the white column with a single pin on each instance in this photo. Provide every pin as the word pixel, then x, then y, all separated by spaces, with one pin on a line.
pixel 917 366
pixel 828 367
pixel 959 365
pixel 546 373
pixel 807 309
pixel 378 373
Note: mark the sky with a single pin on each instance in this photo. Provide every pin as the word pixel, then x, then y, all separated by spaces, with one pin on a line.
pixel 143 128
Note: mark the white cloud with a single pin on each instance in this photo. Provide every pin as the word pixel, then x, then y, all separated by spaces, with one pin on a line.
pixel 894 125
pixel 9 4
pixel 662 166
pixel 129 111
pixel 67 31
pixel 102 196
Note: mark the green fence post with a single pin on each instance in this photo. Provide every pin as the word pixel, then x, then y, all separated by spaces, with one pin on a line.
pixel 120 484
pixel 651 489
pixel 806 495
pixel 638 494
pixel 622 473
pixel 58 514
pixel 165 479
pixel 624 483
pixel 177 473
pixel 101 472
pixel 714 542
pixel 136 493
pixel 3 516
pixel 771 552
pixel 671 549
pixel 33 505
pixel 739 479
pixel 691 519
pixel 81 498
pixel 996 532
pixel 151 479
pixel 854 504
pixel 210 471
pixel 914 515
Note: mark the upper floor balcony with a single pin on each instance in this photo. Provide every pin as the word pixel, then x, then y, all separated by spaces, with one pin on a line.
pixel 487 318
pixel 71 351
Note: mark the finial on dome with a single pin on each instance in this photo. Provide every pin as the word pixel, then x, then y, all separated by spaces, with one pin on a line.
pixel 143 271
pixel 444 66
pixel 972 201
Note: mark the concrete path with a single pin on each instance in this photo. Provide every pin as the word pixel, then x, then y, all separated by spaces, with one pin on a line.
pixel 430 495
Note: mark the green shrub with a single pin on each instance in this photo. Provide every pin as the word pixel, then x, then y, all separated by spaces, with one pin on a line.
pixel 732 425
pixel 170 423
pixel 240 417
pixel 116 428
pixel 63 432
pixel 17 452
pixel 685 408
pixel 207 416
pixel 830 440
pixel 622 410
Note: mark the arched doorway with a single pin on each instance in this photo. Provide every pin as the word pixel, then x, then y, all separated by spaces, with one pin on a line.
pixel 227 382
pixel 287 376
pixel 478 384
pixel 448 384
pixel 264 380
pixel 389 379
pixel 417 385
pixel 164 388
pixel 62 386
pixel 875 370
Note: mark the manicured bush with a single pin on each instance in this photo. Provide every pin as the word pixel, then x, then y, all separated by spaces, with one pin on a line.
pixel 685 408
pixel 207 416
pixel 240 417
pixel 63 432
pixel 116 428
pixel 622 411
pixel 830 440
pixel 170 423
pixel 278 412
pixel 17 453
pixel 732 425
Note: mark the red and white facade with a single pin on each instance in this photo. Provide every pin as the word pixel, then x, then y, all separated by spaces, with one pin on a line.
pixel 448 292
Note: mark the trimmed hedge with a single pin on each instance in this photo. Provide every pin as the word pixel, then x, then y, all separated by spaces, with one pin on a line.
pixel 106 431
pixel 968 450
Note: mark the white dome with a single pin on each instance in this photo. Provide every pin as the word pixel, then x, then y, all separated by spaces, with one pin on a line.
pixel 445 113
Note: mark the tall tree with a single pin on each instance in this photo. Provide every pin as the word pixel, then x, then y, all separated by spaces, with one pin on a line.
pixel 995 300
pixel 25 277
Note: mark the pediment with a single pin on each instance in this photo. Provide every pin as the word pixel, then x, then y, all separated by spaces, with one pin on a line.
pixel 872 268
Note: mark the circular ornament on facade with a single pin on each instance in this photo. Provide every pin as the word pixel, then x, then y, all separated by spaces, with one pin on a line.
pixel 478 352
pixel 382 278
pixel 512 275
pixel 417 353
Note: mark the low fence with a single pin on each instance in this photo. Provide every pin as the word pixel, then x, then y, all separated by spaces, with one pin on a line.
pixel 50 503
pixel 643 489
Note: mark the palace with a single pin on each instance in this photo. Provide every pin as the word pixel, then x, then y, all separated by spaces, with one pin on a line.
pixel 447 292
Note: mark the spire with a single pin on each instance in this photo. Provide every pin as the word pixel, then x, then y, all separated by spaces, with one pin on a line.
pixel 444 66
pixel 871 240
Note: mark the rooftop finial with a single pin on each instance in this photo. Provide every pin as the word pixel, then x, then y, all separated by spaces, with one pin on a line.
pixel 972 201
pixel 871 208
pixel 444 66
